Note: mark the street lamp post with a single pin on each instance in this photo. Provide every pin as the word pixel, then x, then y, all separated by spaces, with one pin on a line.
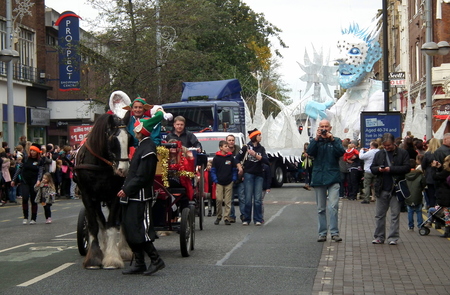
pixel 9 56
pixel 429 49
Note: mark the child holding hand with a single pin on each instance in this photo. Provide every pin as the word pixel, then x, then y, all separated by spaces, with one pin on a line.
pixel 45 194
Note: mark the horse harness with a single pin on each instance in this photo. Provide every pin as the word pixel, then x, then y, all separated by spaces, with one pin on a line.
pixel 98 167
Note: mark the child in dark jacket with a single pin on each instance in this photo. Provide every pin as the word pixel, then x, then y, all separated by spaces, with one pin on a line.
pixel 224 174
pixel 416 184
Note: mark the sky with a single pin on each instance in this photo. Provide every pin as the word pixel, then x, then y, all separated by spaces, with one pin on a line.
pixel 304 24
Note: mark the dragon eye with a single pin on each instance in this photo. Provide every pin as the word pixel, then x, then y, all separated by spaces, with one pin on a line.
pixel 354 51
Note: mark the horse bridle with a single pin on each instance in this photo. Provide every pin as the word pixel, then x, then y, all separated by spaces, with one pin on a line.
pixel 120 159
pixel 103 159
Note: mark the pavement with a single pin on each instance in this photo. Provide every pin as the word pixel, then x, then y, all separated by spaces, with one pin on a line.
pixel 417 265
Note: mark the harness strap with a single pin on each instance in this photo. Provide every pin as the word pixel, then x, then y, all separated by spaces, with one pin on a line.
pixel 90 167
pixel 99 157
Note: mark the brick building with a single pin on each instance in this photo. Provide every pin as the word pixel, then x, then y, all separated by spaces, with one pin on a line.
pixel 42 112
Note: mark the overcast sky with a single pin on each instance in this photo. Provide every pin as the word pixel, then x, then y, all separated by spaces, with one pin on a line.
pixel 304 23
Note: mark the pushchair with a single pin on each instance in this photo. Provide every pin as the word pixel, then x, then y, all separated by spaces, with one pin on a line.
pixel 436 216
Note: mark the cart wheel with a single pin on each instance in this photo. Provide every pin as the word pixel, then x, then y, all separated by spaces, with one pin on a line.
pixel 423 231
pixel 82 233
pixel 185 232
pixel 201 201
pixel 192 216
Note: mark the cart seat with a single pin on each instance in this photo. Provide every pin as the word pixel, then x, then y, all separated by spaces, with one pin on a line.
pixel 177 190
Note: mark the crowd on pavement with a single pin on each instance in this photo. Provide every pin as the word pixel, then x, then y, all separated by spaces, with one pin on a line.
pixel 398 174
pixel 36 174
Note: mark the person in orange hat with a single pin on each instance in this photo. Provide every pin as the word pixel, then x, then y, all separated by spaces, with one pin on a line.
pixel 30 171
pixel 250 160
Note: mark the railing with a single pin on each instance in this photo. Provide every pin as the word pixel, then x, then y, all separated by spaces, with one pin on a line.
pixel 23 73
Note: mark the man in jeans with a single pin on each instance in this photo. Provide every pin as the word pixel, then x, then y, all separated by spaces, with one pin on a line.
pixel 326 176
pixel 388 165
pixel 367 156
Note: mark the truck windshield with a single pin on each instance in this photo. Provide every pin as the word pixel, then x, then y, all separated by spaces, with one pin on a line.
pixel 196 118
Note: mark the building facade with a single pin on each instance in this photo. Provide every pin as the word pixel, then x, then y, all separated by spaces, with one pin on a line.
pixel 42 112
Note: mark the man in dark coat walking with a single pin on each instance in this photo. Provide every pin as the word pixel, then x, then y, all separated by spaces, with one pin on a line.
pixel 389 165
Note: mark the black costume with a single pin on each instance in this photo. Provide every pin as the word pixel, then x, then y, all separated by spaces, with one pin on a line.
pixel 136 208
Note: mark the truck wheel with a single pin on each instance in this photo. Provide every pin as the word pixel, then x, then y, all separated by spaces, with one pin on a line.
pixel 277 180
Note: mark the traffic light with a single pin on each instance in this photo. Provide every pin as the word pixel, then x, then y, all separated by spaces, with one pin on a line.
pixel 300 129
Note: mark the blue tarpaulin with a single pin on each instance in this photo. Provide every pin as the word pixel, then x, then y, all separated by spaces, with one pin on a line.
pixel 214 90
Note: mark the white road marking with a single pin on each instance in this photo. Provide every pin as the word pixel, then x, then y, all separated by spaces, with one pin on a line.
pixel 23 245
pixel 238 245
pixel 46 275
pixel 275 215
pixel 69 239
pixel 71 233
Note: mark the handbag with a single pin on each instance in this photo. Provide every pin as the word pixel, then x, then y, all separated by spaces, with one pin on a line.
pixel 52 168
pixel 400 187
pixel 64 168
pixel 401 190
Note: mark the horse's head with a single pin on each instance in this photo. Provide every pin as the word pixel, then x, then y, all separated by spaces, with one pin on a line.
pixel 118 143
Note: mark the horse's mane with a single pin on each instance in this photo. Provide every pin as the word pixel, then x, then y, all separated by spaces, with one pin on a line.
pixel 97 138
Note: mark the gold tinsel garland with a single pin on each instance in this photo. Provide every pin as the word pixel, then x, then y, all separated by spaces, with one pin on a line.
pixel 163 157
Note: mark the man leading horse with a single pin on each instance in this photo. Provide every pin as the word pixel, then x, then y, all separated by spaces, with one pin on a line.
pixel 136 198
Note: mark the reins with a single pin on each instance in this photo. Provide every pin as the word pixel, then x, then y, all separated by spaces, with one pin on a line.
pixel 96 167
pixel 97 156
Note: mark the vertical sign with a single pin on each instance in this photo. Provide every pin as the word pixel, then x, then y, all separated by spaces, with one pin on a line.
pixel 78 133
pixel 69 58
pixel 375 124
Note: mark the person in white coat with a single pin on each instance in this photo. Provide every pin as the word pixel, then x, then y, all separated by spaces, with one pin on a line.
pixel 367 156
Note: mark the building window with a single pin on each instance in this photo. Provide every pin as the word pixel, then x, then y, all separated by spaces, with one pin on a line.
pixel 2 35
pixel 51 40
pixel 27 53
pixel 417 60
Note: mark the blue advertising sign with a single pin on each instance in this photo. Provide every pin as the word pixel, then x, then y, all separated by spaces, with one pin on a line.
pixel 375 124
pixel 69 58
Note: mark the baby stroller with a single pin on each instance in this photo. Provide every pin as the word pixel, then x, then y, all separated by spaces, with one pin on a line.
pixel 436 216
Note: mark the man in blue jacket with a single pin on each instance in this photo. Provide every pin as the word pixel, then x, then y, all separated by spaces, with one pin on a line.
pixel 326 176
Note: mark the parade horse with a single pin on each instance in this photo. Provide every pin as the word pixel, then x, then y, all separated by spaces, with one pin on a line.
pixel 100 168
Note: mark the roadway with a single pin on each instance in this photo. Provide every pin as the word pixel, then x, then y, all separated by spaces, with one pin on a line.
pixel 282 256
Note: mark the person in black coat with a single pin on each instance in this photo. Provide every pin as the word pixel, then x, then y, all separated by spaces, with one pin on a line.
pixel 179 132
pixel 389 165
pixel 441 176
pixel 136 198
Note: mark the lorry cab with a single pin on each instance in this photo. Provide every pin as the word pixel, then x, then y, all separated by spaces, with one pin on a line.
pixel 222 116
pixel 210 105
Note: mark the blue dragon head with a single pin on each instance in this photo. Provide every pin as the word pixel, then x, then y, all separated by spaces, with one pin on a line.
pixel 358 52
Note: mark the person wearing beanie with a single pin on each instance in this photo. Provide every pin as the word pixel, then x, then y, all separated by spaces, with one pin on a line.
pixel 250 160
pixel 136 197
pixel 30 171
